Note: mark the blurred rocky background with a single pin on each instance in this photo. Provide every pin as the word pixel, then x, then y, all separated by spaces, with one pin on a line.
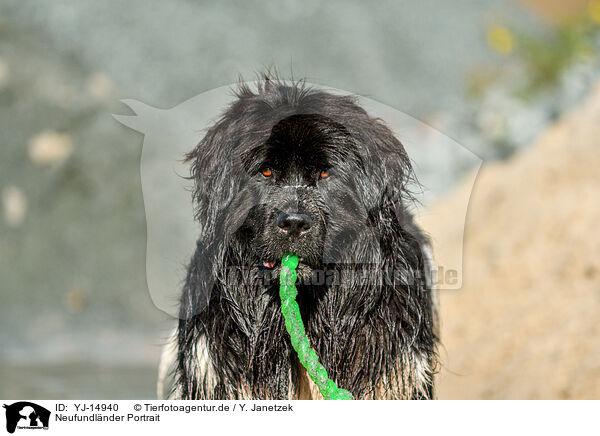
pixel 76 319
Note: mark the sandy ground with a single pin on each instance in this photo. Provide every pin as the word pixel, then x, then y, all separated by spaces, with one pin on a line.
pixel 526 323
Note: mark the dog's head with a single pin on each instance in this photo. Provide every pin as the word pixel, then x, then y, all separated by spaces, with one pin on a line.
pixel 291 169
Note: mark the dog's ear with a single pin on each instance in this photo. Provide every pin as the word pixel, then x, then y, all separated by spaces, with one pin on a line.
pixel 210 161
pixel 222 196
pixel 390 198
pixel 385 164
pixel 210 169
pixel 219 177
pixel 379 172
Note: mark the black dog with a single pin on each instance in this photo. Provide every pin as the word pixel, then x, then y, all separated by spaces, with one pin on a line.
pixel 293 169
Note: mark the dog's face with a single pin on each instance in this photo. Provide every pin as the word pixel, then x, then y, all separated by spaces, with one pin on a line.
pixel 305 190
pixel 285 171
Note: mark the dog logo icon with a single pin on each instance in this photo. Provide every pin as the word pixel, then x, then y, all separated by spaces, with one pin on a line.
pixel 26 415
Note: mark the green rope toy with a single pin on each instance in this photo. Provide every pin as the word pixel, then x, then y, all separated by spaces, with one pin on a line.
pixel 295 327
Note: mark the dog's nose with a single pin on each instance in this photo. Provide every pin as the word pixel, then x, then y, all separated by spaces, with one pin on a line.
pixel 293 224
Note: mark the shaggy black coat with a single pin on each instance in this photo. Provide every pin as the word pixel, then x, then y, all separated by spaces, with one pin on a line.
pixel 364 288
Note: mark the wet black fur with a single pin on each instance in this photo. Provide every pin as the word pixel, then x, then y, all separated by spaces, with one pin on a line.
pixel 373 317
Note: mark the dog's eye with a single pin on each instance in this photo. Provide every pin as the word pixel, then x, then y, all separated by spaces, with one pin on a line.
pixel 324 174
pixel 267 172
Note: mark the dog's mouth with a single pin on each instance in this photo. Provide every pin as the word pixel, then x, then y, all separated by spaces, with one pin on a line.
pixel 269 265
pixel 304 269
